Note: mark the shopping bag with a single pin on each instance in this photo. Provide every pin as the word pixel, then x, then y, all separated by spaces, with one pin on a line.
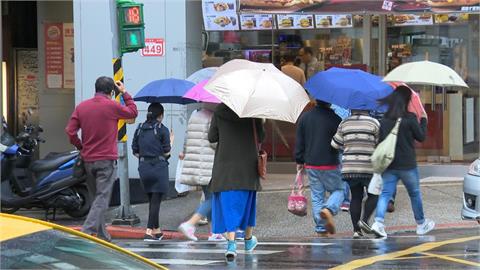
pixel 179 187
pixel 376 184
pixel 297 202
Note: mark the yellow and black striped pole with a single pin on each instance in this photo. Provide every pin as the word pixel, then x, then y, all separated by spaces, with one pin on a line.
pixel 118 76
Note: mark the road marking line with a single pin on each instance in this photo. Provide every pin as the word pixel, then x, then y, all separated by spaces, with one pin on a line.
pixel 389 256
pixel 193 250
pixel 425 257
pixel 239 243
pixel 184 262
pixel 448 258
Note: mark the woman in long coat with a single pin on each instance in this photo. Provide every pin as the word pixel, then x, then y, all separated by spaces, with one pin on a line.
pixel 235 179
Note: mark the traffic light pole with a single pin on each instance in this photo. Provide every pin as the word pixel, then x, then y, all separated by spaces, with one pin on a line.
pixel 125 215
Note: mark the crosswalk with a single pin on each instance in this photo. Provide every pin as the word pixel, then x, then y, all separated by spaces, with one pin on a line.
pixel 187 254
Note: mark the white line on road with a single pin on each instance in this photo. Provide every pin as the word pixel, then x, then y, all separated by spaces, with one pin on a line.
pixel 188 243
pixel 184 262
pixel 205 250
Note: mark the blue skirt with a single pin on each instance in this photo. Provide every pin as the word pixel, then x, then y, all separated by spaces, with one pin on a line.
pixel 233 210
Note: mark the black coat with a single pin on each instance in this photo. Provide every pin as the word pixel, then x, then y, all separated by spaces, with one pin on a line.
pixel 235 164
pixel 315 131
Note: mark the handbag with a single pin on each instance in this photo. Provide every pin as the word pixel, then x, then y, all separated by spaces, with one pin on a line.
pixel 179 187
pixel 297 202
pixel 261 157
pixel 383 155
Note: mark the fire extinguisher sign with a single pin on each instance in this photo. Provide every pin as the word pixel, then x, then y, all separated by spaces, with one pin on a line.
pixel 154 47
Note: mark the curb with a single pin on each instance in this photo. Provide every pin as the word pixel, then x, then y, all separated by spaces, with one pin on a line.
pixel 124 232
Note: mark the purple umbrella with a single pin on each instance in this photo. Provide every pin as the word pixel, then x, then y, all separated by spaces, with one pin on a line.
pixel 199 93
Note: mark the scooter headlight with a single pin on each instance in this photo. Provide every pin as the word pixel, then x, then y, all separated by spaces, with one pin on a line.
pixel 475 168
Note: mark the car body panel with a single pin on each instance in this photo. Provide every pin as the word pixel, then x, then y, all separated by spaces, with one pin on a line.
pixel 471 185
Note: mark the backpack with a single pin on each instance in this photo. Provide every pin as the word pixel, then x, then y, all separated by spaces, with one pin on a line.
pixel 383 155
pixel 156 130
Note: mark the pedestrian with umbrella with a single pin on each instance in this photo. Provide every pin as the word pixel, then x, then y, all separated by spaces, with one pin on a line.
pixel 248 91
pixel 357 135
pixel 152 144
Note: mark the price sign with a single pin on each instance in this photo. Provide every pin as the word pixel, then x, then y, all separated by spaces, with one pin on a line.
pixel 154 47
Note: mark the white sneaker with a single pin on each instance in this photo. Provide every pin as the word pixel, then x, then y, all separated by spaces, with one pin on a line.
pixel 379 229
pixel 188 230
pixel 427 226
pixel 216 237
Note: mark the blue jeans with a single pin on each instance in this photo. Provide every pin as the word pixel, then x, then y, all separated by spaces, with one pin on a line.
pixel 411 181
pixel 205 208
pixel 346 193
pixel 321 182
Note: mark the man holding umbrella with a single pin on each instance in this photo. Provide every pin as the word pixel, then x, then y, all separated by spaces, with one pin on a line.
pixel 314 153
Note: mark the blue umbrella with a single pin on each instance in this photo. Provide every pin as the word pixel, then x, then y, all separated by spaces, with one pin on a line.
pixel 348 88
pixel 202 74
pixel 165 91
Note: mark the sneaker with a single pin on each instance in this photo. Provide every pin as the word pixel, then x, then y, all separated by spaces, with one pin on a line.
pixel 391 206
pixel 357 235
pixel 188 230
pixel 216 237
pixel 345 207
pixel 239 235
pixel 150 238
pixel 159 236
pixel 322 234
pixel 365 227
pixel 379 229
pixel 328 217
pixel 203 221
pixel 251 244
pixel 231 252
pixel 427 226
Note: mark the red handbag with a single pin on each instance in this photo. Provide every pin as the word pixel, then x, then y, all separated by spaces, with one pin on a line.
pixel 297 202
pixel 262 155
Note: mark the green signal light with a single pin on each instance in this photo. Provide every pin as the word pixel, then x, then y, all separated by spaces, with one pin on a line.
pixel 133 39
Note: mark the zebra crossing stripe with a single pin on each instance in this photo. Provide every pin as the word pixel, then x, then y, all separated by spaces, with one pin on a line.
pixel 201 250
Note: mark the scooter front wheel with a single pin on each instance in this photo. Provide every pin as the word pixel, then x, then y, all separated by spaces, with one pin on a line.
pixel 9 210
pixel 86 202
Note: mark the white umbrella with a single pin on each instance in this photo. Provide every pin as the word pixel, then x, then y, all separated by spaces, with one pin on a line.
pixel 258 90
pixel 202 74
pixel 425 73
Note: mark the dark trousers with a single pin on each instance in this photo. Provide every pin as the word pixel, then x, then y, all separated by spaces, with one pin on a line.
pixel 358 191
pixel 154 200
pixel 100 178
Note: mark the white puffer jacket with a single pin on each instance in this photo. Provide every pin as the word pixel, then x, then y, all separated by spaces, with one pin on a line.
pixel 199 152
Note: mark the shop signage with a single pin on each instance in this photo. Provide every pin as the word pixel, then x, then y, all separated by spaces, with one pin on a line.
pixel 295 21
pixel 153 47
pixel 451 18
pixel 220 15
pixel 59 55
pixel 256 21
pixel 349 6
pixel 412 19
pixel 333 21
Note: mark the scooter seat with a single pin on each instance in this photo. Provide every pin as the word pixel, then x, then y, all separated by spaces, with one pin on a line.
pixel 52 161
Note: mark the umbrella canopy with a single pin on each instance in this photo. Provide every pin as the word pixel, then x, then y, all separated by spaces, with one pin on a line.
pixel 165 91
pixel 425 73
pixel 202 74
pixel 258 90
pixel 415 106
pixel 348 88
pixel 199 93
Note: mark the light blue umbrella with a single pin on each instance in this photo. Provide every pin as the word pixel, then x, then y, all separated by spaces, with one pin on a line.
pixel 202 74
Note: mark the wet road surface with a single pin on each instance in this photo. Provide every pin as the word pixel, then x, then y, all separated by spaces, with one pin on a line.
pixel 442 249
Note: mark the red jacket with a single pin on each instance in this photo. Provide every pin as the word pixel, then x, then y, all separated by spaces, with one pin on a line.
pixel 98 120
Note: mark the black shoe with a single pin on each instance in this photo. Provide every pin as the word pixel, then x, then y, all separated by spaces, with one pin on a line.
pixel 159 236
pixel 391 207
pixel 357 235
pixel 150 238
pixel 365 227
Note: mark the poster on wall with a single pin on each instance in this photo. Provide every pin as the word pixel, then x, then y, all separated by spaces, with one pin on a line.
pixel 26 85
pixel 333 21
pixel 412 19
pixel 469 120
pixel 59 55
pixel 256 21
pixel 295 21
pixel 348 6
pixel 220 15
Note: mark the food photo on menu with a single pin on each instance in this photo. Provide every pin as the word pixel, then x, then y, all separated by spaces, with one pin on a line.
pixel 219 6
pixel 256 21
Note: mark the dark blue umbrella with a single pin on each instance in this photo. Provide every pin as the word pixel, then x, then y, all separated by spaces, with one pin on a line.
pixel 165 91
pixel 348 88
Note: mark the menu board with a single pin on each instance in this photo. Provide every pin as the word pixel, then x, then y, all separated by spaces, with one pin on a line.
pixel 256 21
pixel 412 19
pixel 451 18
pixel 295 21
pixel 333 21
pixel 220 15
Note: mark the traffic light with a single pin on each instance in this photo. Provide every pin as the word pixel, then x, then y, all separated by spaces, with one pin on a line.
pixel 130 26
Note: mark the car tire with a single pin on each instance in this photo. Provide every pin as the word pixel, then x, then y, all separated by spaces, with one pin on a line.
pixel 86 202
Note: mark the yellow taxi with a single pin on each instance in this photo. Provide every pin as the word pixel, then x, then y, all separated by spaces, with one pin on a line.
pixel 27 243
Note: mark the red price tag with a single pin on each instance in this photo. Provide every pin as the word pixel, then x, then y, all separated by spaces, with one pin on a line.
pixel 154 47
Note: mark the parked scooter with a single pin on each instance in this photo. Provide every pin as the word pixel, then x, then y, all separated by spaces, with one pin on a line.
pixel 48 183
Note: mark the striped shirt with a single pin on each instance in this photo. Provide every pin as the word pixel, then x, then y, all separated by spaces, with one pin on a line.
pixel 357 136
